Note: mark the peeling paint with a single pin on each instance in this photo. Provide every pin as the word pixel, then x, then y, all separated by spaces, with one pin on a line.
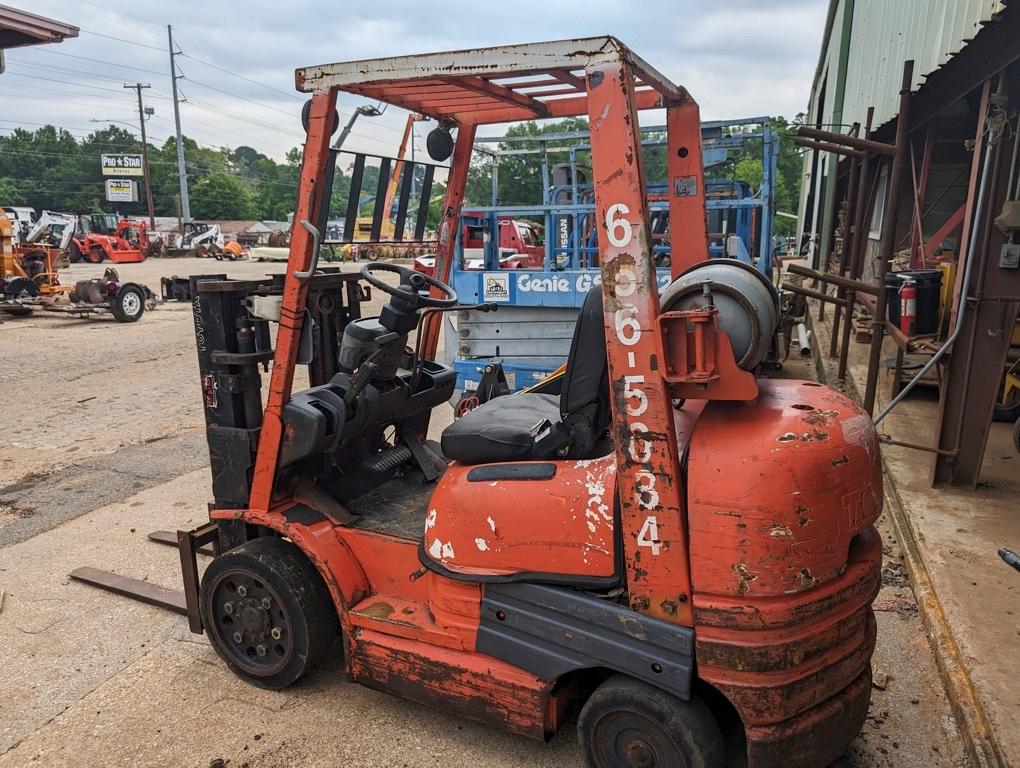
pixel 430 520
pixel 491 522
pixel 787 437
pixel 448 551
pixel 436 549
pixel 482 544
pixel 780 531
pixel 744 578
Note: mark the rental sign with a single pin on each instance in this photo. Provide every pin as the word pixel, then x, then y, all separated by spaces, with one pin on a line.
pixel 122 165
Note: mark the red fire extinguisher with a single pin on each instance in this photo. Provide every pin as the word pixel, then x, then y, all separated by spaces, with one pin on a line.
pixel 908 307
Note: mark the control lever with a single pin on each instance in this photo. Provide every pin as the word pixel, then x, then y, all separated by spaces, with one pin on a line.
pixel 359 381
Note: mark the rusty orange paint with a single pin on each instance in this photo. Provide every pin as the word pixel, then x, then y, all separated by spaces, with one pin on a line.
pixel 310 196
pixel 783 495
pixel 650 488
pixel 485 528
pixel 686 187
pixel 448 225
pixel 469 685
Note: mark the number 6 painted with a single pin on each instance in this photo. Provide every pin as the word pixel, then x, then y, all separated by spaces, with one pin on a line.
pixel 614 224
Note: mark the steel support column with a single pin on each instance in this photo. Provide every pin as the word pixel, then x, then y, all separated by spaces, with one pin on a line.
pixel 887 243
pixel 973 377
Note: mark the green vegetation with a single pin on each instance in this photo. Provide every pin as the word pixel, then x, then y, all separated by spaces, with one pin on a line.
pixel 520 181
pixel 51 169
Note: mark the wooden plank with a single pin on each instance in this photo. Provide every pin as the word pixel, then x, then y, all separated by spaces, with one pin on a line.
pixel 136 589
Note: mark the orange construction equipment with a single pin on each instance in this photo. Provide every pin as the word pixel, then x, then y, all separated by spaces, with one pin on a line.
pixel 658 539
pixel 119 240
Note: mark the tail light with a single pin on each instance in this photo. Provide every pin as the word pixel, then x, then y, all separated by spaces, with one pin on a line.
pixel 111 287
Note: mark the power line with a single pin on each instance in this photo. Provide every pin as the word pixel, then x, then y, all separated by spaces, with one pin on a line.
pixel 236 96
pixel 101 61
pixel 291 94
pixel 122 40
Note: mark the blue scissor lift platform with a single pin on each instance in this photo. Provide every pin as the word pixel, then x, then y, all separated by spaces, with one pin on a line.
pixel 530 332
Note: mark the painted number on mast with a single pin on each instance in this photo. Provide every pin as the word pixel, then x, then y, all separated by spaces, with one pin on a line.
pixel 619 233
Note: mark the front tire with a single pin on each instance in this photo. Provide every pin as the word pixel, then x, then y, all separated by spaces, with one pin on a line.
pixel 268 612
pixel 96 255
pixel 73 253
pixel 129 304
pixel 629 724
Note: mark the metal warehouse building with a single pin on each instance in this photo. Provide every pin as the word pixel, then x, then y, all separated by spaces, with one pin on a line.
pixel 957 143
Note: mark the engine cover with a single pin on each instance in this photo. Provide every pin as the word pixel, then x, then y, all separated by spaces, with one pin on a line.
pixel 528 519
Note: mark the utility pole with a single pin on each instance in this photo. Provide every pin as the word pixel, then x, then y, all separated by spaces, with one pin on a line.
pixel 182 173
pixel 142 112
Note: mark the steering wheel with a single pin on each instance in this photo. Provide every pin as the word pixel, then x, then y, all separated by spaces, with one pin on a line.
pixel 412 287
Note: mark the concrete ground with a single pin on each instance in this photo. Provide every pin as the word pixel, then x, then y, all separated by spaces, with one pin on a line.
pixel 102 444
pixel 974 597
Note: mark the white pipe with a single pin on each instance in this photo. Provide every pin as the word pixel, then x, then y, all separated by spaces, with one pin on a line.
pixel 804 340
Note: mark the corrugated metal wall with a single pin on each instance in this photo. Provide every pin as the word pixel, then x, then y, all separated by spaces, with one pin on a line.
pixel 888 32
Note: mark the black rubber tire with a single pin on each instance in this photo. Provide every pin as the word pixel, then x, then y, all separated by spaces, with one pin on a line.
pixel 128 305
pixel 1016 435
pixel 73 253
pixel 96 255
pixel 1008 412
pixel 21 288
pixel 302 594
pixel 627 723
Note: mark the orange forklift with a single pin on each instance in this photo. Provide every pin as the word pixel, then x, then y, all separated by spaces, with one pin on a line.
pixel 678 550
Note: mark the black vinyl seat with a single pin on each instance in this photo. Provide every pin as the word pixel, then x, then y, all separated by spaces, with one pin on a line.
pixel 529 425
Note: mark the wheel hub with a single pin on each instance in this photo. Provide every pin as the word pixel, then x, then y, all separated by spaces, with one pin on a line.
pixel 251 620
pixel 639 754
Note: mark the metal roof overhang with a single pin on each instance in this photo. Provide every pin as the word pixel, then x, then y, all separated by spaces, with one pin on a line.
pixel 493 85
pixel 19 28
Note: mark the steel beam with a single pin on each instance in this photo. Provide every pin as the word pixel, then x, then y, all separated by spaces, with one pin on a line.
pixel 867 145
pixel 822 146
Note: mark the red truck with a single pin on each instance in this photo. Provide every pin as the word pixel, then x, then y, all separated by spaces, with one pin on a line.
pixel 521 245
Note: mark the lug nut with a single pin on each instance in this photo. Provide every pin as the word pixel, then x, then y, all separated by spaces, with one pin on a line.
pixel 276 633
pixel 242 590
pixel 238 637
pixel 228 608
pixel 260 650
pixel 266 602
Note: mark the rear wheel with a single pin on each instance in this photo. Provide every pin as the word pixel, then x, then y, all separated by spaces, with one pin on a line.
pixel 129 304
pixel 268 612
pixel 73 253
pixel 96 255
pixel 1007 407
pixel 629 724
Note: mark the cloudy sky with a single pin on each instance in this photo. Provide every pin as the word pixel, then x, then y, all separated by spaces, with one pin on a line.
pixel 740 58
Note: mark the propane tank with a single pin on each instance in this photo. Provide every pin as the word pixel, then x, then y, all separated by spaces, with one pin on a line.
pixel 748 304
pixel 908 307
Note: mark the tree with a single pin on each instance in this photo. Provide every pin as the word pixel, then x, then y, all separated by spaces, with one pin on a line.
pixel 222 196
pixel 9 192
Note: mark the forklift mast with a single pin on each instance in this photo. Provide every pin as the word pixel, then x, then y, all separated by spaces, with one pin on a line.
pixel 616 84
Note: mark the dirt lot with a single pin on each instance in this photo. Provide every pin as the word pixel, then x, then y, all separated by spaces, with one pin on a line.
pixel 102 443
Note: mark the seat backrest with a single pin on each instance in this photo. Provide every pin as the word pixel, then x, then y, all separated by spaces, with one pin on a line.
pixel 584 395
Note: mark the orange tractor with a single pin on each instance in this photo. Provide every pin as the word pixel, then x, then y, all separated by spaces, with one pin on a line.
pixel 681 551
pixel 109 237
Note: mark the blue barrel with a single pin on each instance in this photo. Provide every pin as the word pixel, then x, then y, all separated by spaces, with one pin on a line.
pixel 928 282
